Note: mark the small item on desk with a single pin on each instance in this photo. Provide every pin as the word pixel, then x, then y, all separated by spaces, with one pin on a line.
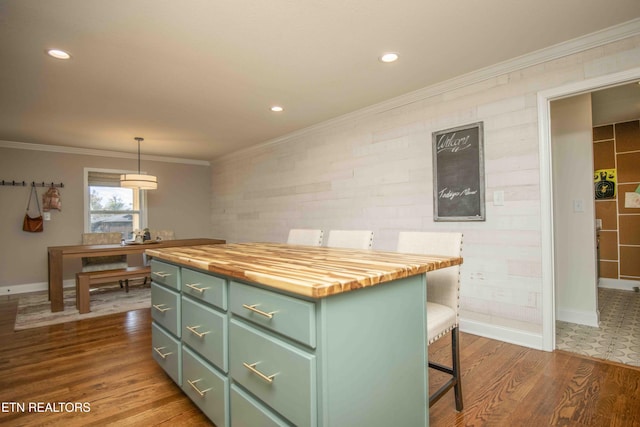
pixel 138 236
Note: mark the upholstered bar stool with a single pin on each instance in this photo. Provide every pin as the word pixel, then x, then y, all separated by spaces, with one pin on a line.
pixel 305 236
pixel 443 292
pixel 99 263
pixel 157 235
pixel 350 239
pixel 162 234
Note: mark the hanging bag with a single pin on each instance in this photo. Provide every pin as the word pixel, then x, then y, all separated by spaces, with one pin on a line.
pixel 51 199
pixel 33 224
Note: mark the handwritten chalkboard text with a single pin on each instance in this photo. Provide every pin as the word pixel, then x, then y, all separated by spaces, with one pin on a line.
pixel 445 193
pixel 451 143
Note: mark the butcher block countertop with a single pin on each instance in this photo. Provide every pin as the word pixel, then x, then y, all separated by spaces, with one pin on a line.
pixel 309 271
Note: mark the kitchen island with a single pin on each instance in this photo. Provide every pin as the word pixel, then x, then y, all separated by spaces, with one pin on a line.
pixel 274 334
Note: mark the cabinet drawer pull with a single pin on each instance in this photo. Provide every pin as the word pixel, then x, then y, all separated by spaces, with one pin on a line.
pixel 195 287
pixel 161 307
pixel 195 387
pixel 160 353
pixel 161 274
pixel 192 329
pixel 252 368
pixel 260 312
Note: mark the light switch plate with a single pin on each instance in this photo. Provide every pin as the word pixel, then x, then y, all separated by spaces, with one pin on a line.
pixel 498 198
pixel 578 205
pixel 46 216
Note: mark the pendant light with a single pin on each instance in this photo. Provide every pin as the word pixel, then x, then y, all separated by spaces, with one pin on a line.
pixel 139 181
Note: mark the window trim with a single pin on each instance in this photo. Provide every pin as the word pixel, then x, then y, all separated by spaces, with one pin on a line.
pixel 86 199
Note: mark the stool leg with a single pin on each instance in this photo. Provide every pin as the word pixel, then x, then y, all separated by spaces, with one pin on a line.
pixel 455 355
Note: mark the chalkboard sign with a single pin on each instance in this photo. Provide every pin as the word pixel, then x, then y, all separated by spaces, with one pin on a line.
pixel 458 174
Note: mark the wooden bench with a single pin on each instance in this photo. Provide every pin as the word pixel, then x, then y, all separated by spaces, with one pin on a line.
pixel 85 280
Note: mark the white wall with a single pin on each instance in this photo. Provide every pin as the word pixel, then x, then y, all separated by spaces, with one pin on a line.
pixel 574 228
pixel 372 169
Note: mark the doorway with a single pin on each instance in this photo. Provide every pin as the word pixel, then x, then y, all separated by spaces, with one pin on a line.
pixel 548 242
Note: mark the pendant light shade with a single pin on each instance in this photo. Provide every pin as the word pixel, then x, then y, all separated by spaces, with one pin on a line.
pixel 143 182
pixel 139 180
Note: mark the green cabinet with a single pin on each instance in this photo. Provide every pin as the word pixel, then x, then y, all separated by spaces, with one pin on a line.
pixel 167 351
pixel 248 355
pixel 205 331
pixel 279 374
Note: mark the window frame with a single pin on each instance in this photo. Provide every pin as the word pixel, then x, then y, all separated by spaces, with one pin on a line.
pixel 142 197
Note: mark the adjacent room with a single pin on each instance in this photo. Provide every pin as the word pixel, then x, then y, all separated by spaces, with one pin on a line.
pixel 320 213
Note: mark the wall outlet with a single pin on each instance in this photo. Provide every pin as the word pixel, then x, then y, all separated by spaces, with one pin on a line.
pixel 46 216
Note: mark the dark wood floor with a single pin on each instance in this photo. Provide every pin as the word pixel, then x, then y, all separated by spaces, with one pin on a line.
pixel 106 362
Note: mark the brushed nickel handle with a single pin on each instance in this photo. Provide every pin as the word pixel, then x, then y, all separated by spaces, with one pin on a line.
pixel 252 368
pixel 195 387
pixel 192 329
pixel 159 351
pixel 161 307
pixel 161 274
pixel 195 287
pixel 260 312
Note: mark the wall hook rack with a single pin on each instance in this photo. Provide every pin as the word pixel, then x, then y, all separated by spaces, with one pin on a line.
pixel 33 184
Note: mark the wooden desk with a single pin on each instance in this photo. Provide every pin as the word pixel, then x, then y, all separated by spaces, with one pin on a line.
pixel 58 253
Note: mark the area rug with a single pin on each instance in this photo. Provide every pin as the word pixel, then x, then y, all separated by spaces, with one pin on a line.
pixel 34 309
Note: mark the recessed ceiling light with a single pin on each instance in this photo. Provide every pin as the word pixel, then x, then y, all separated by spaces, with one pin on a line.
pixel 389 57
pixel 277 109
pixel 58 54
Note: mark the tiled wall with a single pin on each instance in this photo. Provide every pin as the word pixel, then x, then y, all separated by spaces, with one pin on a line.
pixel 373 170
pixel 618 146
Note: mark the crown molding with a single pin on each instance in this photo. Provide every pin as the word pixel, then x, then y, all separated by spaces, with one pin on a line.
pixel 99 153
pixel 569 47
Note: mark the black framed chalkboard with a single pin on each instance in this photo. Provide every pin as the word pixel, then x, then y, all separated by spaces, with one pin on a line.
pixel 458 174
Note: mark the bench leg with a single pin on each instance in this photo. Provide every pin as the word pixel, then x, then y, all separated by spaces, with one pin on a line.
pixel 82 294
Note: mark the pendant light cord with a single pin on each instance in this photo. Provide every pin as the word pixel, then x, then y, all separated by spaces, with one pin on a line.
pixel 139 140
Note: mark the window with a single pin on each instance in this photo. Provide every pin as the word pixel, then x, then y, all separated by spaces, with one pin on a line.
pixel 110 207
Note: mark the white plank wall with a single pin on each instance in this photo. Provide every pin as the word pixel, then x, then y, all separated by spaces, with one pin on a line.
pixel 372 169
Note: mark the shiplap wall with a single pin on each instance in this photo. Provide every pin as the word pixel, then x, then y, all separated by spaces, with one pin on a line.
pixel 373 170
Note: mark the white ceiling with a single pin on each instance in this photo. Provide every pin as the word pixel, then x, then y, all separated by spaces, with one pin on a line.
pixel 196 78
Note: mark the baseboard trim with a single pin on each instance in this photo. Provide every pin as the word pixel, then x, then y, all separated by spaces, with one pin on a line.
pixel 588 318
pixel 501 333
pixel 33 287
pixel 622 284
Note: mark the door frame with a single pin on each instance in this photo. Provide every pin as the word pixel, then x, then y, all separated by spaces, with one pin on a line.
pixel 544 99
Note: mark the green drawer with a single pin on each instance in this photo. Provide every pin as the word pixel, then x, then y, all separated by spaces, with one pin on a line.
pixel 279 374
pixel 164 273
pixel 205 387
pixel 208 288
pixel 283 314
pixel 165 308
pixel 205 331
pixel 247 412
pixel 167 352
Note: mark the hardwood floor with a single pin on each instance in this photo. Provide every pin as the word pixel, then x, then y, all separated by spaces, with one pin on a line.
pixel 106 362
